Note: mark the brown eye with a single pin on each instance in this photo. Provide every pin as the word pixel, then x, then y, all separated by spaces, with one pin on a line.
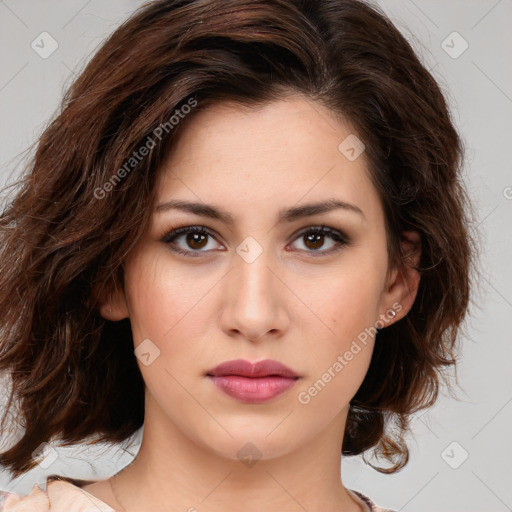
pixel 195 240
pixel 314 240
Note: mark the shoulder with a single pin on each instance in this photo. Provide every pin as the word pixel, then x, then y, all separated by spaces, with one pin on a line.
pixel 368 503
pixel 36 501
pixel 58 495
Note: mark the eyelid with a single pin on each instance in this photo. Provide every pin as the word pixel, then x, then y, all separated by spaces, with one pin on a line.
pixel 323 228
pixel 176 231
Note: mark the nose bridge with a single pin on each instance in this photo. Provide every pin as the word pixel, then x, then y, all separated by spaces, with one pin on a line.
pixel 253 303
pixel 253 278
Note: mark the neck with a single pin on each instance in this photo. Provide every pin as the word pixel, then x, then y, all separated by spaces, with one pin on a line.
pixel 172 468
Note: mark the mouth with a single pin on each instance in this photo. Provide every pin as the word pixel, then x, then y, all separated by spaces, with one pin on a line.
pixel 253 382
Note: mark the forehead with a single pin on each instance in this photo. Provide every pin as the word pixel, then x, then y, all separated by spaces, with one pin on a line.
pixel 287 152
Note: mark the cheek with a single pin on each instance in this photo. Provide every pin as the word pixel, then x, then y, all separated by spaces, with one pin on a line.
pixel 344 302
pixel 167 306
pixel 160 297
pixel 161 306
pixel 337 369
pixel 346 311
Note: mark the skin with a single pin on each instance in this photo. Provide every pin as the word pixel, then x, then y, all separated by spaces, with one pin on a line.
pixel 290 304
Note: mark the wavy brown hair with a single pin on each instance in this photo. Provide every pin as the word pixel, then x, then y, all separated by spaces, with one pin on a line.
pixel 74 374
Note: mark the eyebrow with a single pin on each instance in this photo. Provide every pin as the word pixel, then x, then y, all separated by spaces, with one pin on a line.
pixel 285 215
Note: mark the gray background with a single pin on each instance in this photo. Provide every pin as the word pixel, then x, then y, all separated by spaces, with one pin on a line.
pixel 478 84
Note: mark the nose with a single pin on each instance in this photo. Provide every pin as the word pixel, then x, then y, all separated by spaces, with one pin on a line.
pixel 254 300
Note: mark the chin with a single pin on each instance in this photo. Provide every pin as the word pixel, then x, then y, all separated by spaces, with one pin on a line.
pixel 248 447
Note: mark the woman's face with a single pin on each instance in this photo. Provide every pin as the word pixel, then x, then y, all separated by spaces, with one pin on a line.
pixel 260 284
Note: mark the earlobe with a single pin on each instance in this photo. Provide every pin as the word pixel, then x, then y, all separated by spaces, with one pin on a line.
pixel 403 283
pixel 114 307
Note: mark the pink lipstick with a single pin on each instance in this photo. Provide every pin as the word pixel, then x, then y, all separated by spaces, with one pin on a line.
pixel 253 382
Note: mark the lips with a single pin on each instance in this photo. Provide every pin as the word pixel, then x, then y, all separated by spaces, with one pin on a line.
pixel 243 368
pixel 253 383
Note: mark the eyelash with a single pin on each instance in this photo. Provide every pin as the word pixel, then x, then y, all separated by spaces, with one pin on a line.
pixel 340 238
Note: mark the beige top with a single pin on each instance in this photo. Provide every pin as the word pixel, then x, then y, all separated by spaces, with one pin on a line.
pixel 61 495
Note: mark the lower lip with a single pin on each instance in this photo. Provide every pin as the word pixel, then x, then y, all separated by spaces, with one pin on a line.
pixel 253 390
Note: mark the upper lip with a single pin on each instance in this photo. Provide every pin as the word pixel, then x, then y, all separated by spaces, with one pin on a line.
pixel 243 368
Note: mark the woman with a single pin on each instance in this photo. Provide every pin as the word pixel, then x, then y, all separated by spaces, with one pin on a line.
pixel 246 231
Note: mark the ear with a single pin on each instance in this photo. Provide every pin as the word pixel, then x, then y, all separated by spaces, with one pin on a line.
pixel 402 283
pixel 112 303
